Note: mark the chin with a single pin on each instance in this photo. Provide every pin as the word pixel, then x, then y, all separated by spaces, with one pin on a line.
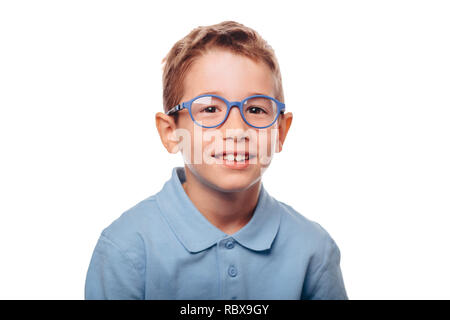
pixel 233 180
pixel 225 179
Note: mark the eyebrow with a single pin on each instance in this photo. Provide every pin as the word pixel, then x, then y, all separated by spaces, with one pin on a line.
pixel 221 94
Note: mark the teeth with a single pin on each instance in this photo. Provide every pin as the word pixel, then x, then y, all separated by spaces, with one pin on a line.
pixel 238 157
pixel 229 157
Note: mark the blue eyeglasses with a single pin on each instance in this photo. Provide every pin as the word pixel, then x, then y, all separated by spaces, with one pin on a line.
pixel 210 110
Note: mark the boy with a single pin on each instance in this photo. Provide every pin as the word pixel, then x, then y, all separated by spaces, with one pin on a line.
pixel 213 231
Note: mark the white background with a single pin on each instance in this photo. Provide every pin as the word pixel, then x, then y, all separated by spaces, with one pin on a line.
pixel 367 156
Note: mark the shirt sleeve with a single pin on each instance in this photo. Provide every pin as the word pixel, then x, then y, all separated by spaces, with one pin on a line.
pixel 112 275
pixel 325 281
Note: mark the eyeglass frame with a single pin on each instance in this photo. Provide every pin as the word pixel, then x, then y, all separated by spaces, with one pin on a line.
pixel 240 104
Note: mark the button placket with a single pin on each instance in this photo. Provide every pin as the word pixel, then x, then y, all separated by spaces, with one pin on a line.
pixel 230 271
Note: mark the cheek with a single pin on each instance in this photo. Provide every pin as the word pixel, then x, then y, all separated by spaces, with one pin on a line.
pixel 201 146
pixel 185 134
pixel 267 141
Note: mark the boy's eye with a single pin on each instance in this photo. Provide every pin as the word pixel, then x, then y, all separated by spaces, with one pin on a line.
pixel 256 110
pixel 210 109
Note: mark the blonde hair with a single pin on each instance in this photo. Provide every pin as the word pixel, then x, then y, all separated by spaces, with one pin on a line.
pixel 229 35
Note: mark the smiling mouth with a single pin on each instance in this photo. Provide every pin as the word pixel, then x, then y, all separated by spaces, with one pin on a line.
pixel 237 157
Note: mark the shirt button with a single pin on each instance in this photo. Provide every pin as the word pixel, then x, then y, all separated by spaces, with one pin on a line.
pixel 232 271
pixel 229 244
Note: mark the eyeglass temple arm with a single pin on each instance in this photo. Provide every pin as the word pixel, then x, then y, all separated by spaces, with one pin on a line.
pixel 178 107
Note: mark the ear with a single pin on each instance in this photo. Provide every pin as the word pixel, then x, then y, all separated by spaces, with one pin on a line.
pixel 167 131
pixel 283 128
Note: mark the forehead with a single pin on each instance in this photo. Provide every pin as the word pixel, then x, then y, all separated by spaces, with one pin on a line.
pixel 232 75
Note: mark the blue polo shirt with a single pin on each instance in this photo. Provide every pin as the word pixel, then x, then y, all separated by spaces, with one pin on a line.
pixel 164 248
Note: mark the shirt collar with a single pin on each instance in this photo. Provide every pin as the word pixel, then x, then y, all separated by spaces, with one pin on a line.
pixel 196 233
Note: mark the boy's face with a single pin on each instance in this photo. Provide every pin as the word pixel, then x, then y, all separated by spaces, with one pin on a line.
pixel 233 77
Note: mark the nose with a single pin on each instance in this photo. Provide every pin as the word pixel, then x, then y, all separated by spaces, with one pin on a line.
pixel 234 129
pixel 234 119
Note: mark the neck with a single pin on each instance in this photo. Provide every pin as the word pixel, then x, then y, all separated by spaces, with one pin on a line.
pixel 228 211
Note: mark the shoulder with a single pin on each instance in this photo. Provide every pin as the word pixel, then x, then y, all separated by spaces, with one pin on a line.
pixel 133 220
pixel 129 231
pixel 299 222
pixel 118 262
pixel 317 252
pixel 303 232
